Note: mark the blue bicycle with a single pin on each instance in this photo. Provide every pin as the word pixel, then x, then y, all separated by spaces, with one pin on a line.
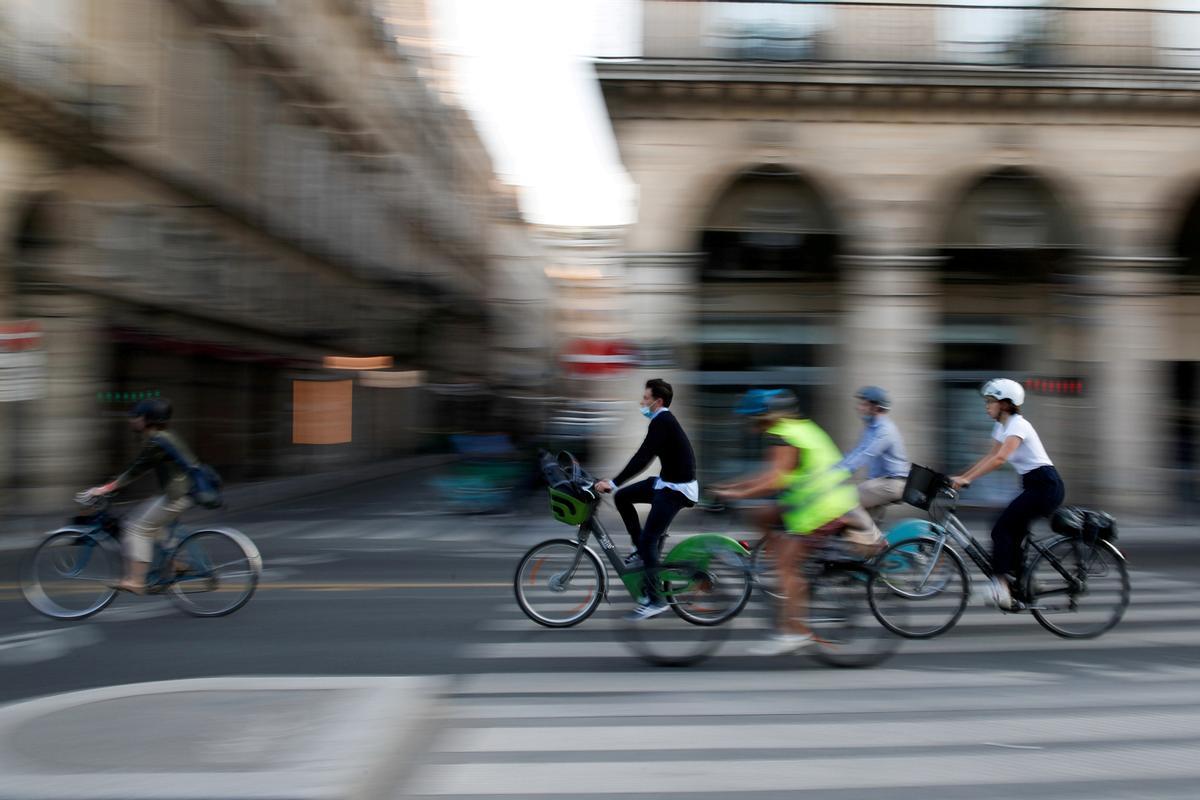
pixel 72 574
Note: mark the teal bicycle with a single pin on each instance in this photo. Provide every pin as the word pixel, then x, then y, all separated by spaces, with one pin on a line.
pixel 71 575
pixel 561 582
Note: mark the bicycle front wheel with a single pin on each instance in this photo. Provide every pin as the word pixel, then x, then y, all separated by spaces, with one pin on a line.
pixel 218 572
pixel 70 575
pixel 919 588
pixel 1080 591
pixel 845 631
pixel 558 584
pixel 712 595
pixel 765 570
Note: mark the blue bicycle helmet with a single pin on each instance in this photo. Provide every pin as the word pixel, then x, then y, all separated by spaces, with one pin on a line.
pixel 873 394
pixel 757 402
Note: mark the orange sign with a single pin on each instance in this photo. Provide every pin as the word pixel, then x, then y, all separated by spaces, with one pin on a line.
pixel 322 412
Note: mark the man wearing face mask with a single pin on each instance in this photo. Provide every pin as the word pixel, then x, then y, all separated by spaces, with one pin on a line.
pixel 674 488
pixel 881 450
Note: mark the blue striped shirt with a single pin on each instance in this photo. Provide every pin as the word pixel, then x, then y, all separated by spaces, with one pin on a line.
pixel 881 449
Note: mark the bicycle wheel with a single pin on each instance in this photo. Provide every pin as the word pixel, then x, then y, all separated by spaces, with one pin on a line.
pixel 557 584
pixel 845 631
pixel 715 594
pixel 679 641
pixel 220 572
pixel 71 575
pixel 765 570
pixel 1088 603
pixel 930 579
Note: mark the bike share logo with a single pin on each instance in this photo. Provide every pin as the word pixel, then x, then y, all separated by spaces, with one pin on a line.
pixel 604 540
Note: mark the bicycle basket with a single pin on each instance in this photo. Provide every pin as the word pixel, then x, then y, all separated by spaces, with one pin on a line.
pixel 922 486
pixel 570 503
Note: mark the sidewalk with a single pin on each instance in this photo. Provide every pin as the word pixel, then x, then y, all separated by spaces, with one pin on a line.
pixel 280 738
pixel 21 531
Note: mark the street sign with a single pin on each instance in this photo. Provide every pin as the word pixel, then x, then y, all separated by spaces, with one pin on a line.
pixel 22 361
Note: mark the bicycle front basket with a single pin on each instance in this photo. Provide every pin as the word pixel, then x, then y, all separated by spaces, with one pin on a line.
pixel 922 486
pixel 568 507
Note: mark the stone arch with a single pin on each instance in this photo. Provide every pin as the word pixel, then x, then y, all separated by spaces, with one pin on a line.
pixel 769 222
pixel 1006 223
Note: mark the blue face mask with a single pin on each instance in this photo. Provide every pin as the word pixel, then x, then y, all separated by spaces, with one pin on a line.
pixel 646 412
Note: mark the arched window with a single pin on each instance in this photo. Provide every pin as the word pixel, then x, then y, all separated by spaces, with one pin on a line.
pixel 769 224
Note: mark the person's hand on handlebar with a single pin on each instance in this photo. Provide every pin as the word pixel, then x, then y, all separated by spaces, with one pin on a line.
pixel 959 482
pixel 603 487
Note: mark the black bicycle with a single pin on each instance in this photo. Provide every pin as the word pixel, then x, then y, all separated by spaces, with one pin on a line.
pixel 1075 584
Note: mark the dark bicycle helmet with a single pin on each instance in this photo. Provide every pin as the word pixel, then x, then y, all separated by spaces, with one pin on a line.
pixel 757 402
pixel 156 410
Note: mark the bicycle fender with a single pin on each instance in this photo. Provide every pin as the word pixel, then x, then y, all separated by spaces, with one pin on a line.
pixel 909 529
pixel 244 541
pixel 700 549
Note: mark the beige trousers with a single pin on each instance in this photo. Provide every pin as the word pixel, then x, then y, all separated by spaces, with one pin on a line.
pixel 151 524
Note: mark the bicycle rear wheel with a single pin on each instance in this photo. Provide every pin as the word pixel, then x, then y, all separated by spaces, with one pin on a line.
pixel 845 631
pixel 550 591
pixel 1088 603
pixel 929 579
pixel 70 575
pixel 222 568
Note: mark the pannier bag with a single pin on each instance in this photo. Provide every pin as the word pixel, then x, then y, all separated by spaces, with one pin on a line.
pixel 1084 523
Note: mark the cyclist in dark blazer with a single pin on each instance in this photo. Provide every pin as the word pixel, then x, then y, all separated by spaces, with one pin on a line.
pixel 675 487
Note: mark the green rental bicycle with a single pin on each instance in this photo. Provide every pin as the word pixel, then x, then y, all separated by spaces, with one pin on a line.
pixel 560 582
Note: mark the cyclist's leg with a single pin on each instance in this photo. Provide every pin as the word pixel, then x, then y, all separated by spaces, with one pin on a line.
pixel 877 494
pixel 141 535
pixel 664 505
pixel 641 492
pixel 792 550
pixel 1042 492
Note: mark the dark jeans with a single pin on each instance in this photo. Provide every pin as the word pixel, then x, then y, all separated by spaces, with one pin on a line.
pixel 664 505
pixel 1042 492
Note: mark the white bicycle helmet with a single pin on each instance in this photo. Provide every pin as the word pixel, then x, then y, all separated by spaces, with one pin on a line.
pixel 1004 389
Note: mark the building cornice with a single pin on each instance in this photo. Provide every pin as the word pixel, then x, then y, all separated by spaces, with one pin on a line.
pixel 648 82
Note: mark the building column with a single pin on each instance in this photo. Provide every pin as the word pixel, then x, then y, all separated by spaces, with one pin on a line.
pixel 61 437
pixel 890 309
pixel 660 291
pixel 1130 381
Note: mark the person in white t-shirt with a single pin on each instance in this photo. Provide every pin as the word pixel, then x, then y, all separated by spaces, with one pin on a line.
pixel 1042 491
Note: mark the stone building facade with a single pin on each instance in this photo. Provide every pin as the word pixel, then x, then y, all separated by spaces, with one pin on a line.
pixel 923 197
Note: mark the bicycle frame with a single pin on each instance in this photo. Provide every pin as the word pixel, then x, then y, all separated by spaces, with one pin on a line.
pixel 949 526
pixel 695 551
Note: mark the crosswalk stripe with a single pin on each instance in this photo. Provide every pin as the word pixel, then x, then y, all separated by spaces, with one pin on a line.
pixel 972 618
pixel 1163 724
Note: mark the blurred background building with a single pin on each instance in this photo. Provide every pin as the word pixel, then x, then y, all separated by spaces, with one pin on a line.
pixel 923 196
pixel 205 199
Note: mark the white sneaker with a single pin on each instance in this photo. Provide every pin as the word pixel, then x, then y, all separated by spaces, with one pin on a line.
pixel 781 644
pixel 646 611
pixel 998 594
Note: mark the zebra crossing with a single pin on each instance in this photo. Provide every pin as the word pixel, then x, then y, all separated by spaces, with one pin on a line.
pixel 1164 613
pixel 910 733
pixel 1038 716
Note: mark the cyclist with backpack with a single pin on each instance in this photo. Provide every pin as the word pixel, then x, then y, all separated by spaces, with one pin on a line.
pixel 169 457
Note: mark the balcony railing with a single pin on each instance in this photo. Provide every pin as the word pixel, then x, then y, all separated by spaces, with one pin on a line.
pixel 995 33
